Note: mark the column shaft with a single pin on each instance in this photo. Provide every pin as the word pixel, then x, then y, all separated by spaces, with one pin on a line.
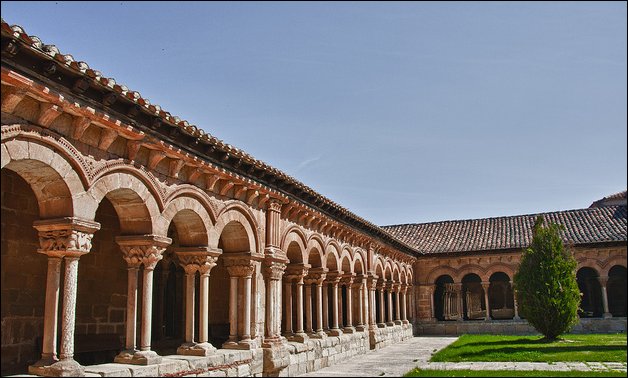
pixel 203 319
pixel 349 307
pixel 308 308
pixel 49 347
pixel 189 306
pixel 299 307
pixel 325 299
pixel 288 322
pixel 69 308
pixel 246 318
pixel 233 309
pixel 319 307
pixel 147 309
pixel 334 302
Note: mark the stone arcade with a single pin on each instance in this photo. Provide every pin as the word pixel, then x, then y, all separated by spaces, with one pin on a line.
pixel 197 259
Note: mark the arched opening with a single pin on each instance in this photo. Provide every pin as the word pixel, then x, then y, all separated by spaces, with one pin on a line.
pixel 500 297
pixel 23 276
pixel 473 304
pixel 223 330
pixel 379 318
pixel 443 301
pixel 591 304
pixel 616 290
pixel 289 294
pixel 332 266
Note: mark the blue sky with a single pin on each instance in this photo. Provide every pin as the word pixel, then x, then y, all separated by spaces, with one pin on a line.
pixel 400 112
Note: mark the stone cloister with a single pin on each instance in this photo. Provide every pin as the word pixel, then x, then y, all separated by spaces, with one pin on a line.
pixel 134 243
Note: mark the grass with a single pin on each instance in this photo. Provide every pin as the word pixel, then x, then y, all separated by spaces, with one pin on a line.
pixel 495 348
pixel 510 373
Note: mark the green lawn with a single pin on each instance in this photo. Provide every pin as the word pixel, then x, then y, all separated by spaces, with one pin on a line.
pixel 509 373
pixel 489 348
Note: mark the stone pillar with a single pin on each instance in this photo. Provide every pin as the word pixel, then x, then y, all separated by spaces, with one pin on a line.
pixel 63 238
pixel 297 272
pixel 274 270
pixel 397 289
pixel 431 292
pixel 348 281
pixel 325 306
pixel 485 286
pixel 202 260
pixel 404 305
pixel 308 307
pixel 146 250
pixel 514 300
pixel 390 321
pixel 288 306
pixel 603 280
pixel 316 276
pixel 358 286
pixel 335 330
pixel 240 267
pixel 382 306
pixel 233 311
pixel 458 304
pixel 372 285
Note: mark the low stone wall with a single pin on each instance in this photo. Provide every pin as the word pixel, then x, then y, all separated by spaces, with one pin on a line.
pixel 289 359
pixel 224 363
pixel 382 337
pixel 513 327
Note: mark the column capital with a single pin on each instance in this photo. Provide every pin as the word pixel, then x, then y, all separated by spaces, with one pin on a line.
pixel 274 205
pixel 68 236
pixel 603 280
pixel 143 249
pixel 316 275
pixel 239 266
pixel 197 259
pixel 274 269
pixel 297 272
pixel 485 285
pixel 347 279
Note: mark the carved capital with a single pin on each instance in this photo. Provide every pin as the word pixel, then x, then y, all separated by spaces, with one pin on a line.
pixel 65 236
pixel 198 259
pixel 143 249
pixel 347 279
pixel 274 270
pixel 316 276
pixel 603 280
pixel 297 272
pixel 274 205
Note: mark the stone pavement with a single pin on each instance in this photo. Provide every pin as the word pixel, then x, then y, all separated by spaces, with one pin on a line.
pixel 396 360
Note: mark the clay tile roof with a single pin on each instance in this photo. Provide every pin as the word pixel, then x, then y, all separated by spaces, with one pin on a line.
pixel 583 226
pixel 613 199
pixel 35 44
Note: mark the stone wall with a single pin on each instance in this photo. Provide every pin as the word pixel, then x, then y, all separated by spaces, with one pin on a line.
pixel 23 283
pixel 513 327
pixel 382 337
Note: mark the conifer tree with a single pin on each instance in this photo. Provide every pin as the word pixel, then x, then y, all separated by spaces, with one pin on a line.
pixel 546 286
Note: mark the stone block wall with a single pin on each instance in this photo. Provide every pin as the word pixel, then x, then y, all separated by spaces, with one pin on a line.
pixel 23 285
pixel 382 337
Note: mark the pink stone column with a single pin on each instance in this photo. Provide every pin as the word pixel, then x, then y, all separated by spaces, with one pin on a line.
pixel 382 307
pixel 67 238
pixel 335 330
pixel 190 278
pixel 146 250
pixel 485 286
pixel 308 308
pixel 288 307
pixel 274 270
pixel 349 326
pixel 233 310
pixel 300 306
pixel 390 321
pixel 325 306
pixel 397 290
pixel 49 352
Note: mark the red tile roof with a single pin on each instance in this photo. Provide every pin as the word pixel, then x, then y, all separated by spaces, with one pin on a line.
pixel 583 226
pixel 613 199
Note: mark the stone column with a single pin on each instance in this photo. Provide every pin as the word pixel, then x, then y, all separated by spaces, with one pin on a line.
pixel 397 289
pixel 288 306
pixel 431 292
pixel 459 307
pixel 348 281
pixel 382 306
pixel 240 267
pixel 514 300
pixel 146 250
pixel 358 286
pixel 308 307
pixel 202 260
pixel 233 311
pixel 325 306
pixel 603 280
pixel 404 305
pixel 372 285
pixel 485 286
pixel 63 238
pixel 389 289
pixel 366 301
pixel 335 330
pixel 274 270
pixel 316 277
pixel 297 272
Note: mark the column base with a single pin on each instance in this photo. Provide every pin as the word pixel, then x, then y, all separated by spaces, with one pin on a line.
pixel 335 332
pixel 516 318
pixel 247 344
pixel 390 324
pixel 405 322
pixel 299 337
pixel 271 342
pixel 349 329
pixel 360 328
pixel 196 349
pixel 52 368
pixel 318 335
pixel 397 322
pixel 381 325
pixel 607 315
pixel 144 357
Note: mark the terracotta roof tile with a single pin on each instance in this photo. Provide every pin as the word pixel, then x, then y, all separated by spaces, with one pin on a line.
pixel 583 226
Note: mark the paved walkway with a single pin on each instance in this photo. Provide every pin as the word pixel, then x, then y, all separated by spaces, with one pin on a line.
pixel 396 360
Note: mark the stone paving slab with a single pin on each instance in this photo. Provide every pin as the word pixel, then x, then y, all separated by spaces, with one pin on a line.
pixel 396 360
